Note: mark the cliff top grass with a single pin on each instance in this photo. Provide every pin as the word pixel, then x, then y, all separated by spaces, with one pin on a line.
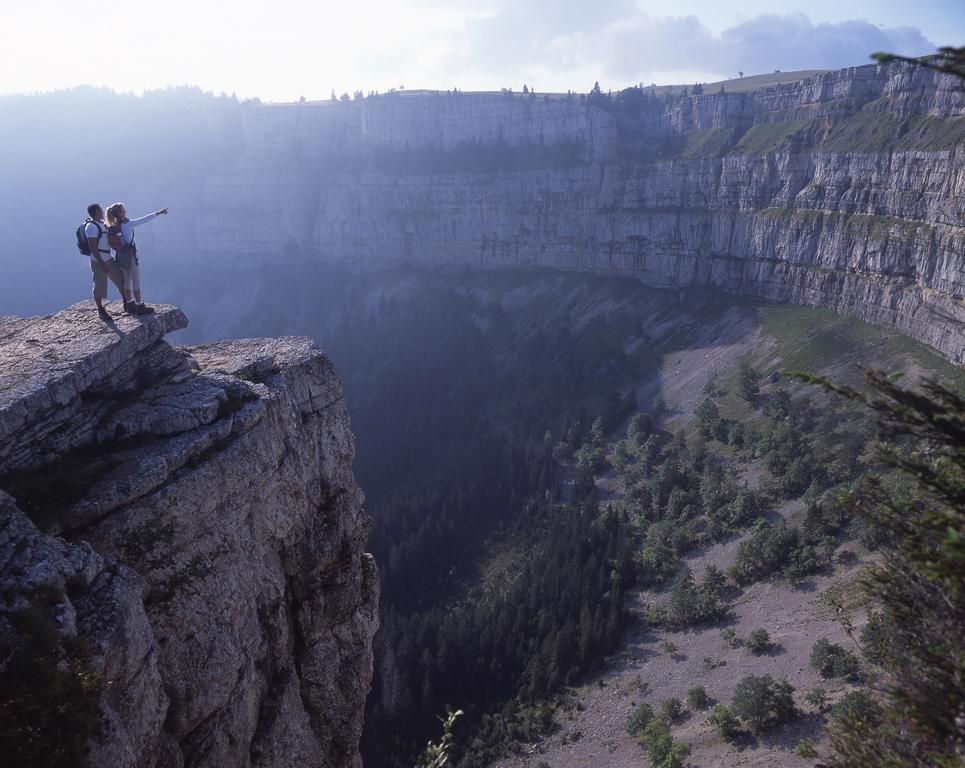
pixel 759 82
pixel 747 84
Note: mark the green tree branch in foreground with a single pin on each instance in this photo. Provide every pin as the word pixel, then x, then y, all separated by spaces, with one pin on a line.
pixel 436 754
pixel 948 60
pixel 918 588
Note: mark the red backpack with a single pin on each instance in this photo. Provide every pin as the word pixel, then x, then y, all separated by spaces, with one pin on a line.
pixel 114 238
pixel 125 253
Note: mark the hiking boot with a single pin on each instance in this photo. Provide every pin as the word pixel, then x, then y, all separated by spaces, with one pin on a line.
pixel 103 313
pixel 130 308
pixel 144 309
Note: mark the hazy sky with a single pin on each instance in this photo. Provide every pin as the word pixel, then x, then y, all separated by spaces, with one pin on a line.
pixel 282 49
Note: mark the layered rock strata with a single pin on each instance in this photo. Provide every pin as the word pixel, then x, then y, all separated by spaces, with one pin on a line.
pixel 845 189
pixel 192 516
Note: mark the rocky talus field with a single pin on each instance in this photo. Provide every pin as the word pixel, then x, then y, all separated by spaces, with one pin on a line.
pixel 184 528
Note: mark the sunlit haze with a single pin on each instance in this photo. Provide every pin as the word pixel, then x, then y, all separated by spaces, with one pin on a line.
pixel 286 49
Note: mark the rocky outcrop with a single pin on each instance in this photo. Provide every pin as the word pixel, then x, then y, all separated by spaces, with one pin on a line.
pixel 192 516
pixel 845 190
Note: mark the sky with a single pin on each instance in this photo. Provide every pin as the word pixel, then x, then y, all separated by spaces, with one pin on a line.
pixel 281 50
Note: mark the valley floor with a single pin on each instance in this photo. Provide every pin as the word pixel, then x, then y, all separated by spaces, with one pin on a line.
pixel 593 727
pixel 656 663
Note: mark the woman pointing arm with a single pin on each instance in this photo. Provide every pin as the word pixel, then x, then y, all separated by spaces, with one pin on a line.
pixel 123 242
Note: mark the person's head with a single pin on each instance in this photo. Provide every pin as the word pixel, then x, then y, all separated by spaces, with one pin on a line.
pixel 116 214
pixel 95 211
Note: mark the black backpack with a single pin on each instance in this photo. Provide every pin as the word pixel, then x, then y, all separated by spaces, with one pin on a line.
pixel 82 245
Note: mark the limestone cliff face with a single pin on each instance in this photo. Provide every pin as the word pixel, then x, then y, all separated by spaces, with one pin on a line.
pixel 194 514
pixel 845 190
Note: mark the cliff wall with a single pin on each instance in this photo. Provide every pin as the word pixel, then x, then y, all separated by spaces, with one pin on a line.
pixel 844 190
pixel 191 517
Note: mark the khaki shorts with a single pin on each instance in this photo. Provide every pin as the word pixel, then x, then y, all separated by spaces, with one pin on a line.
pixel 100 277
pixel 132 277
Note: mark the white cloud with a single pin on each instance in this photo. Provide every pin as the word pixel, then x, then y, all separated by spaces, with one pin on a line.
pixel 625 45
pixel 794 42
pixel 287 48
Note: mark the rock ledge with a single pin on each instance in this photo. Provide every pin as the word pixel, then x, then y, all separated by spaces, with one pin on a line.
pixel 193 516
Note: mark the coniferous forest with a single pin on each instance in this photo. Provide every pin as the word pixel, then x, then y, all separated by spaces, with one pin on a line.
pixel 463 426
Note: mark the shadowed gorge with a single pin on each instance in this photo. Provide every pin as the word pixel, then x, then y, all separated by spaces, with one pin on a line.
pixel 530 527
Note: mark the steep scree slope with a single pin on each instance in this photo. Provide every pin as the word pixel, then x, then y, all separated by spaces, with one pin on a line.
pixel 193 517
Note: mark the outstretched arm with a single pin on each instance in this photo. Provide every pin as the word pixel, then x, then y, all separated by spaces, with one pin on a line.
pixel 149 217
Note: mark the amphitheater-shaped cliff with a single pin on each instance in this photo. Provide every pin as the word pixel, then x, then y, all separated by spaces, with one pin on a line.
pixel 183 528
pixel 845 189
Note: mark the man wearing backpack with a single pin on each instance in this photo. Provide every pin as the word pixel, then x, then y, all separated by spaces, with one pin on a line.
pixel 102 264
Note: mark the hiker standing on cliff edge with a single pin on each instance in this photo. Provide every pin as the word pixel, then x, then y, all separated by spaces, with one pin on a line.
pixel 102 264
pixel 120 234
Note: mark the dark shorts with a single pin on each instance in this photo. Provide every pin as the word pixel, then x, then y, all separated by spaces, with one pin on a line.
pixel 100 277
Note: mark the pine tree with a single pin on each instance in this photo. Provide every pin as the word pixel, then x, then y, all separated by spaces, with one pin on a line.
pixel 763 702
pixel 747 381
pixel 683 608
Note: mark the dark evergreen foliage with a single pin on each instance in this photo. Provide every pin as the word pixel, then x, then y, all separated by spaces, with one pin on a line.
pixel 690 604
pixel 670 710
pixel 49 694
pixel 767 549
pixel 725 722
pixel 763 702
pixel 856 709
pixel 697 698
pixel 831 660
pixel 918 591
pixel 759 641
pixel 457 421
pixel 639 719
pixel 748 381
pixel 660 747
